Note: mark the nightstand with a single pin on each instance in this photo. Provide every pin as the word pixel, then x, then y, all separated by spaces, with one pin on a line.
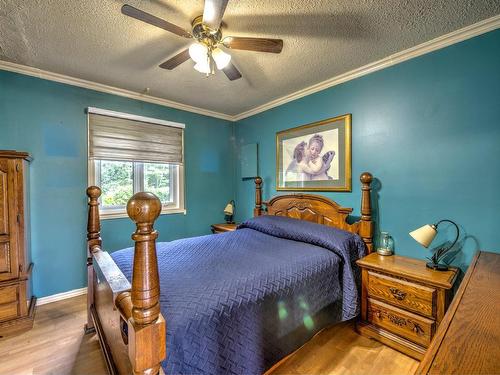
pixel 403 301
pixel 221 228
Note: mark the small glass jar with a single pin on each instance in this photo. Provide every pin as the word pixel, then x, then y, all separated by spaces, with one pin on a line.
pixel 386 244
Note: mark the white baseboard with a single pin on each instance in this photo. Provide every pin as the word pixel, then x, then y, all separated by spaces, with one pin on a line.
pixel 61 296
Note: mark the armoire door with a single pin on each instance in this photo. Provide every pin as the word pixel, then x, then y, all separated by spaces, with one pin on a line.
pixel 9 268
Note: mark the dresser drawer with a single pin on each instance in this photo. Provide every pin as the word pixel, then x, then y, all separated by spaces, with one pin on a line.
pixel 402 323
pixel 8 294
pixel 410 296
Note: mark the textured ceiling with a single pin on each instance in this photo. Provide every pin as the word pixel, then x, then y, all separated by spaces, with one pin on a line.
pixel 92 40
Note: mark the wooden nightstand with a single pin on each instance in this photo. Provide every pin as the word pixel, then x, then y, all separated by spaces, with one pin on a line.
pixel 221 228
pixel 402 301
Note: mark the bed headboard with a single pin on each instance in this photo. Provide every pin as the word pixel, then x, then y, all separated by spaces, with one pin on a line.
pixel 320 209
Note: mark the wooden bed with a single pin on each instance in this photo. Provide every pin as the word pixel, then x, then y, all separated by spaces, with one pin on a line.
pixel 127 318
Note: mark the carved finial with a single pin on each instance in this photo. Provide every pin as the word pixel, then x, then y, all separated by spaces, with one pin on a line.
pixel 144 208
pixel 366 226
pixel 366 178
pixel 93 223
pixel 93 192
pixel 258 197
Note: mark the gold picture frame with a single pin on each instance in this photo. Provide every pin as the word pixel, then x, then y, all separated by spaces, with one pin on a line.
pixel 315 157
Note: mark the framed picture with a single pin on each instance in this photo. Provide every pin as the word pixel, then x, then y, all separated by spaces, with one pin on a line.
pixel 316 156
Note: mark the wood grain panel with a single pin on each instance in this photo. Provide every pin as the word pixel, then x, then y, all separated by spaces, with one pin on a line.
pixel 8 294
pixel 409 268
pixel 4 217
pixel 414 297
pixel 403 323
pixel 5 262
pixel 8 311
pixel 468 339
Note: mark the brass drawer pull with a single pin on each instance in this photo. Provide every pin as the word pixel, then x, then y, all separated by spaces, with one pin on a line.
pixel 398 294
pixel 397 320
pixel 416 328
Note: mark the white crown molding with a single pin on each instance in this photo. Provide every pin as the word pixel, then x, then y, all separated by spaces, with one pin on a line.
pixel 460 35
pixel 61 296
pixel 443 41
pixel 44 74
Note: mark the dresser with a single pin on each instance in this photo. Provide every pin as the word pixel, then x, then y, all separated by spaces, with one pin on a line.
pixel 17 305
pixel 468 339
pixel 403 302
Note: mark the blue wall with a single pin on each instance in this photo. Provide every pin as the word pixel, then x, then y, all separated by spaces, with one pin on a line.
pixel 429 131
pixel 48 120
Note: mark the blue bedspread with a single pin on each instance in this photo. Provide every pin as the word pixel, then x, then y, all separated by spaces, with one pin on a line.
pixel 236 303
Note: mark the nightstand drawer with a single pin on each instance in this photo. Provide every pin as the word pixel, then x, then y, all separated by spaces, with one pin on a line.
pixel 411 296
pixel 402 323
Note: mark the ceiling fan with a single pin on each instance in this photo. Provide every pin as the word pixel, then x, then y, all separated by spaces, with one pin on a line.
pixel 206 31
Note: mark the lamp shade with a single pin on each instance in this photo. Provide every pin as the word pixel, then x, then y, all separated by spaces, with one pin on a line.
pixel 221 58
pixel 202 67
pixel 198 52
pixel 229 210
pixel 424 235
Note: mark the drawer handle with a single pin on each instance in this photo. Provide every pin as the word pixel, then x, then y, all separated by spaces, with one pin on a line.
pixel 416 328
pixel 398 294
pixel 397 320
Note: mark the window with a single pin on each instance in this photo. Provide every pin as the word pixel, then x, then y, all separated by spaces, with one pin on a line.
pixel 128 154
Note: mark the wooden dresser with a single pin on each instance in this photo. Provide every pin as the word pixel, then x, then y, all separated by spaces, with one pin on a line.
pixel 468 339
pixel 402 301
pixel 17 305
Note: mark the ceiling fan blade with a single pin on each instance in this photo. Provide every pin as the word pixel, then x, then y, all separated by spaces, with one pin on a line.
pixel 140 15
pixel 231 72
pixel 213 13
pixel 254 44
pixel 175 61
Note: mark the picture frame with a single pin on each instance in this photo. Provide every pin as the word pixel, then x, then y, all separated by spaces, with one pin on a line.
pixel 315 157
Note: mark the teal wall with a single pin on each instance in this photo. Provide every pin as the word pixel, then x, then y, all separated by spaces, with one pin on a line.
pixel 48 120
pixel 429 131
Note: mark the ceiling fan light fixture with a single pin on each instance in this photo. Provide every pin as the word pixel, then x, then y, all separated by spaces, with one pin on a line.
pixel 198 52
pixel 202 67
pixel 221 58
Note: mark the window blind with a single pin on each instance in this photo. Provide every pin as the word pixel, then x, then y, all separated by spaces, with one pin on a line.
pixel 118 138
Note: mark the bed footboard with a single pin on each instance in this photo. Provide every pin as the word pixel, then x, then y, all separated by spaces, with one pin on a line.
pixel 127 318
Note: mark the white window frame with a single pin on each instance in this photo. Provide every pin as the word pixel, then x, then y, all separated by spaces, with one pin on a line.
pixel 138 173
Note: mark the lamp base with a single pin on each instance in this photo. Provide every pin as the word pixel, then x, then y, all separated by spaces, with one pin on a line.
pixel 437 266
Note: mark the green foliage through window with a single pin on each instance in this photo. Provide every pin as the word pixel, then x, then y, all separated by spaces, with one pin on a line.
pixel 117 181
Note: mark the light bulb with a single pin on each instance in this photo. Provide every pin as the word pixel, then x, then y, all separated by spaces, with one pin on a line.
pixel 198 52
pixel 221 58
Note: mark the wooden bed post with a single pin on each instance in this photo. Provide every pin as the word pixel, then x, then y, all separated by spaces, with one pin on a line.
pixel 146 327
pixel 366 225
pixel 257 211
pixel 93 242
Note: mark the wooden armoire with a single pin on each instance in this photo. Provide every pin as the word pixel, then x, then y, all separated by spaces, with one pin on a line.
pixel 17 305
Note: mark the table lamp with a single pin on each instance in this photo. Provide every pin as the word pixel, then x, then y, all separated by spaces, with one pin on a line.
pixel 425 235
pixel 229 211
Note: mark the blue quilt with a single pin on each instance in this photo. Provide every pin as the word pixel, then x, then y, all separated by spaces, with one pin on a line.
pixel 237 302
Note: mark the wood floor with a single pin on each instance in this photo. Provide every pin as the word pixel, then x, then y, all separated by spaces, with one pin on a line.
pixel 56 345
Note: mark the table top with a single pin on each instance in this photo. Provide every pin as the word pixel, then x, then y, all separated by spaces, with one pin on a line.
pixel 410 268
pixel 225 226
pixel 468 338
